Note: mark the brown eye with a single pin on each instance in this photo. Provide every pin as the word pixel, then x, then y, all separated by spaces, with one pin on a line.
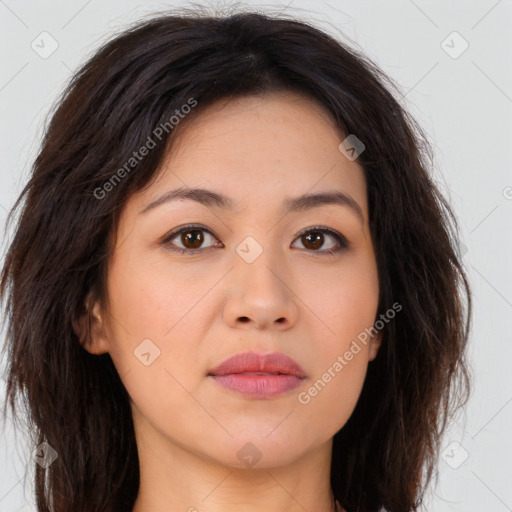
pixel 192 239
pixel 189 239
pixel 315 238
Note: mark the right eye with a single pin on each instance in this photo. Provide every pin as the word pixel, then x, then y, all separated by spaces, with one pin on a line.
pixel 191 237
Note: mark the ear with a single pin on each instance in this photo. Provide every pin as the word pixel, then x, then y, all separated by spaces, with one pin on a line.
pixel 375 344
pixel 89 326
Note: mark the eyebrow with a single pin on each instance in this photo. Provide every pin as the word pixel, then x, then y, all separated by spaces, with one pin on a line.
pixel 301 203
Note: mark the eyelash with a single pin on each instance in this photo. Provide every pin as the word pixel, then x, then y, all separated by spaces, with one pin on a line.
pixel 343 243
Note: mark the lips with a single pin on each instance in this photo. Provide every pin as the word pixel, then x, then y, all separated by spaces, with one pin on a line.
pixel 274 363
pixel 259 376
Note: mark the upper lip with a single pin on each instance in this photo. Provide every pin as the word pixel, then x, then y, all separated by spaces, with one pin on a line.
pixel 254 362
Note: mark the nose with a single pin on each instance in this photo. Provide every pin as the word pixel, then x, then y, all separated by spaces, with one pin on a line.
pixel 260 296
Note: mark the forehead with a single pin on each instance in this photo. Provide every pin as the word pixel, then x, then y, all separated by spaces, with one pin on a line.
pixel 259 150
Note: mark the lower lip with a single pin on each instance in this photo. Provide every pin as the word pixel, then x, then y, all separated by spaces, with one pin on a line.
pixel 258 386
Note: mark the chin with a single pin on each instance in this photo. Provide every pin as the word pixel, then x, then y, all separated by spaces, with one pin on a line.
pixel 260 451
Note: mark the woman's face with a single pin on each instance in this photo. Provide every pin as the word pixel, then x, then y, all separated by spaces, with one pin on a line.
pixel 257 278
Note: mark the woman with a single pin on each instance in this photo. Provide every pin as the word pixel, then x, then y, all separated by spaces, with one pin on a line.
pixel 233 281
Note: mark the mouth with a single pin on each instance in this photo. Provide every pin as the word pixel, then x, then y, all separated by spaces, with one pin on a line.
pixel 259 376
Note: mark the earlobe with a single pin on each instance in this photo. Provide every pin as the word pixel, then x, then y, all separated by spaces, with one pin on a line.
pixel 90 329
pixel 375 344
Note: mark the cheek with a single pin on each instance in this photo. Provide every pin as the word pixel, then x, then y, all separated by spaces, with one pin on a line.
pixel 341 362
pixel 345 303
pixel 151 299
pixel 331 397
pixel 157 323
pixel 343 298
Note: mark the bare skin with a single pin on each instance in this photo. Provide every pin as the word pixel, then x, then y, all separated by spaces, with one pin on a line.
pixel 199 309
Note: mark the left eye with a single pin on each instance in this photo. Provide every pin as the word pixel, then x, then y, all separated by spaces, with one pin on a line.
pixel 192 238
pixel 315 237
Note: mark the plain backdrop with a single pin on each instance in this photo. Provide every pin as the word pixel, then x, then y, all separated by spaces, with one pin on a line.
pixel 453 63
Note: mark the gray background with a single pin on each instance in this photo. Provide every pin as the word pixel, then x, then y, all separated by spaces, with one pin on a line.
pixel 464 102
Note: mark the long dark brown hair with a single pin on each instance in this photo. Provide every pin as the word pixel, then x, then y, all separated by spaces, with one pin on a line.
pixel 386 455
